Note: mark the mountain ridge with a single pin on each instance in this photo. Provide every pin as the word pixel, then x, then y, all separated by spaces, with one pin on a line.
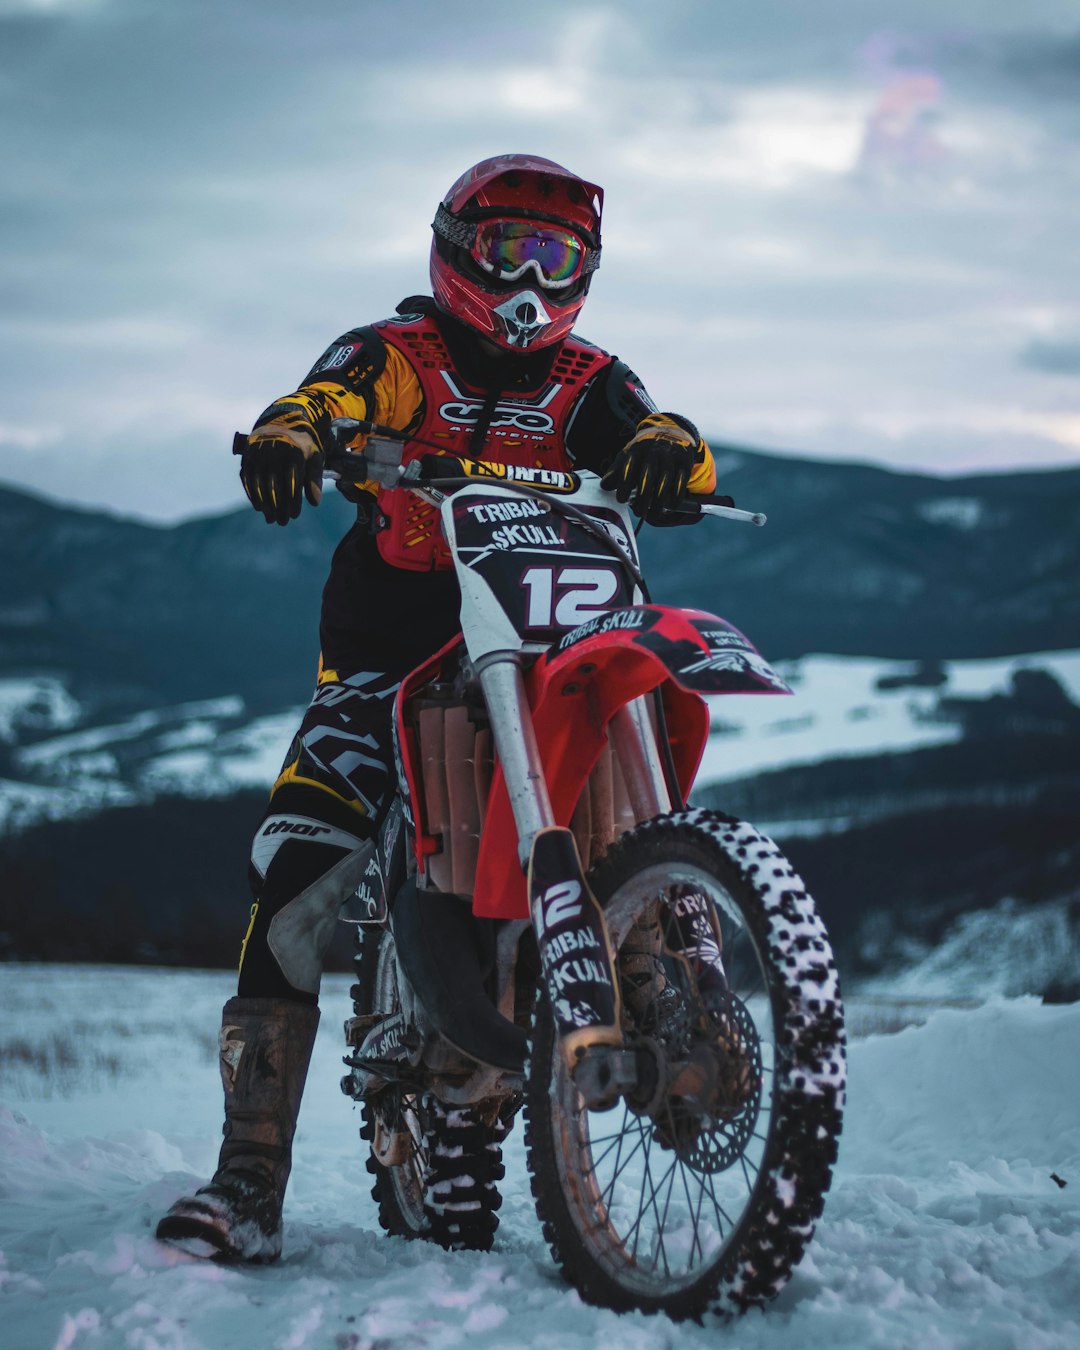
pixel 856 559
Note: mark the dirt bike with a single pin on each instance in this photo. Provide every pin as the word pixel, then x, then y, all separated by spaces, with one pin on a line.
pixel 545 925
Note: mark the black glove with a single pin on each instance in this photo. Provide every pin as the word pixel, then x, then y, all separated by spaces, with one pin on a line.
pixel 656 466
pixel 278 474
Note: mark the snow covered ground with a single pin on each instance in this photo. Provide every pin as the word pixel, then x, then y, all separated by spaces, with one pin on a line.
pixel 210 748
pixel 840 709
pixel 945 1226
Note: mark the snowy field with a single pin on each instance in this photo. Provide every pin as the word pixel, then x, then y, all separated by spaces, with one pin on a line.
pixel 62 765
pixel 839 708
pixel 945 1226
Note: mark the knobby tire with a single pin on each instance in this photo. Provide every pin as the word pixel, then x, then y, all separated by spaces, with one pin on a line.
pixel 447 1190
pixel 771 926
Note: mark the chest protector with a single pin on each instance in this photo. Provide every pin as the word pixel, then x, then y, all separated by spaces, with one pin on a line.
pixel 523 429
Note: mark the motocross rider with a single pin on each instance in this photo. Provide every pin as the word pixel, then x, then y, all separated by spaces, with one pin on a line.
pixel 489 369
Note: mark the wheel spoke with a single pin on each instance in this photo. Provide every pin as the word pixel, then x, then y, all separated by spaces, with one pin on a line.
pixel 643 1207
pixel 733 958
pixel 717 1206
pixel 604 1138
pixel 695 1224
pixel 619 1169
pixel 701 1205
pixel 595 1161
pixel 662 1226
pixel 646 1180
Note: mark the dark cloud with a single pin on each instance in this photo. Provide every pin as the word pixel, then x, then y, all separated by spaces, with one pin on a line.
pixel 1052 357
pixel 1050 66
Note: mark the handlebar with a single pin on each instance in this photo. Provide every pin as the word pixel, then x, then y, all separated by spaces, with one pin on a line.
pixel 432 475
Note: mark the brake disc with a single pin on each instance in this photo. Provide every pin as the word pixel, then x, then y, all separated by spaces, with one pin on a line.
pixel 710 1129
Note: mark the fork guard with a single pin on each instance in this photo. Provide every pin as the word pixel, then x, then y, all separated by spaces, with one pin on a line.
pixel 575 689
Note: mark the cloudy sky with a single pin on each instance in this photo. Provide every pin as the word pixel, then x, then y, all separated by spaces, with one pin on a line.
pixel 840 228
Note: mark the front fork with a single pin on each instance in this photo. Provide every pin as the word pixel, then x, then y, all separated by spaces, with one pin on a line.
pixel 575 948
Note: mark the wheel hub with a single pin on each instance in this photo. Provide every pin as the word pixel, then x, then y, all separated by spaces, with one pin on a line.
pixel 707 1112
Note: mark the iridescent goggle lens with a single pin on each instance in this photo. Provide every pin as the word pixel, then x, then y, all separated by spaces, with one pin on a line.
pixel 509 248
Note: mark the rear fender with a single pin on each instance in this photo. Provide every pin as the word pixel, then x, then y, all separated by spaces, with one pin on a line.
pixel 576 688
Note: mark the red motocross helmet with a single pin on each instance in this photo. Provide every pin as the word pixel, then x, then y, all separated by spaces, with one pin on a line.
pixel 517 240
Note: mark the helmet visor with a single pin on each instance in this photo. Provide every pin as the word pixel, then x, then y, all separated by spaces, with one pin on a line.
pixel 507 249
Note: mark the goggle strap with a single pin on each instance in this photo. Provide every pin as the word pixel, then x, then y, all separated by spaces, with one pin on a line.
pixel 456 231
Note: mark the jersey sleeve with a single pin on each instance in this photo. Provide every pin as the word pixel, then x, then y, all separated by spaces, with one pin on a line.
pixel 358 376
pixel 610 411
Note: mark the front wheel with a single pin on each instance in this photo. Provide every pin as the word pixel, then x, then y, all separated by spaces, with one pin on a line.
pixel 702 1186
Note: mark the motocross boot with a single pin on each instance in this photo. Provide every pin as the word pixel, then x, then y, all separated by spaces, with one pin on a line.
pixel 266 1047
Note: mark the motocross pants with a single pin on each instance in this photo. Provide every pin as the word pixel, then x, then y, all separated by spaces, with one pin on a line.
pixel 377 623
pixel 337 775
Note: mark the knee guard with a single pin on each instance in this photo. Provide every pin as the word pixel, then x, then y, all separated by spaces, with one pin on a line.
pixel 305 862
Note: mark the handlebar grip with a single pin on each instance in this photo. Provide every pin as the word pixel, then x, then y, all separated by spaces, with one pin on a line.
pixel 349 465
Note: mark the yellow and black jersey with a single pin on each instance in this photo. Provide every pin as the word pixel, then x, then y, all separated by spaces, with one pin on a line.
pixel 571 405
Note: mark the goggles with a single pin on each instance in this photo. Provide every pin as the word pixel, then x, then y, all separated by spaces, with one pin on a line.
pixel 507 248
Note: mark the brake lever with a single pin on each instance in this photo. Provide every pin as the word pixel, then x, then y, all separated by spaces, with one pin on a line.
pixel 732 513
pixel 711 506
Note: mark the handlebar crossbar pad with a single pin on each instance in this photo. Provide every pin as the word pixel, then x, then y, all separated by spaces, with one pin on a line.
pixel 485 471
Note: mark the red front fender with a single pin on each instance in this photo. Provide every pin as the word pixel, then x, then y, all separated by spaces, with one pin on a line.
pixel 576 688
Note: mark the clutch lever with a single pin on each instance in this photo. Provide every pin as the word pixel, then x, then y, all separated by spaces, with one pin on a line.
pixel 379 461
